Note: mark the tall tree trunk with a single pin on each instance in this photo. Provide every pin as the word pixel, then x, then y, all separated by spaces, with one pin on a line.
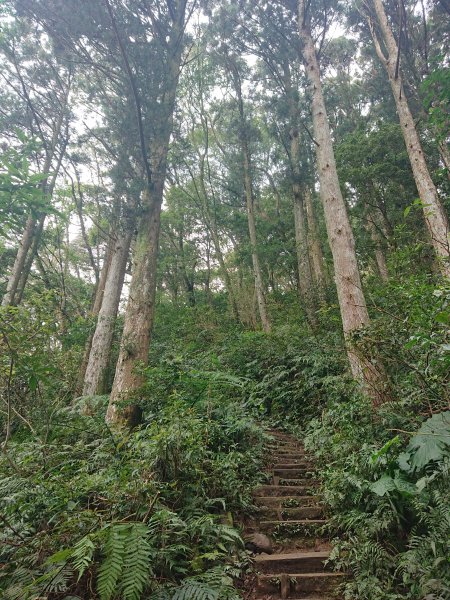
pixel 351 298
pixel 380 258
pixel 250 202
pixel 140 311
pixel 93 313
pixel 34 227
pixel 19 262
pixel 212 227
pixel 315 248
pixel 38 230
pixel 303 264
pixel 305 281
pixel 94 381
pixel 435 217
pixel 225 274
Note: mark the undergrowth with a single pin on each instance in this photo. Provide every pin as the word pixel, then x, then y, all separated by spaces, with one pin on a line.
pixel 87 514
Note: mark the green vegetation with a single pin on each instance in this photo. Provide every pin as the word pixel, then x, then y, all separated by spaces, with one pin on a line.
pixel 203 234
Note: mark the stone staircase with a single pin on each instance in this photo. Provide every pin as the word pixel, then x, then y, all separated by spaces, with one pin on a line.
pixel 291 515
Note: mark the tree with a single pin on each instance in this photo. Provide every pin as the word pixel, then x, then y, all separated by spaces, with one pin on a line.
pixel 42 85
pixel 249 195
pixel 340 235
pixel 434 213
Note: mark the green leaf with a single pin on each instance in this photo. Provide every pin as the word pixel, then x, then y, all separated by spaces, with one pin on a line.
pixel 384 485
pixel 432 441
pixel 59 557
pixel 395 441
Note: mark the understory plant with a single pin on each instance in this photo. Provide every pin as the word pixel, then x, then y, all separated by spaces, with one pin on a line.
pixel 89 513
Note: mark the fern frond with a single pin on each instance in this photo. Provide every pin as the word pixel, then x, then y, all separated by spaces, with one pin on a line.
pixel 136 569
pixel 112 567
pixel 82 555
pixel 195 590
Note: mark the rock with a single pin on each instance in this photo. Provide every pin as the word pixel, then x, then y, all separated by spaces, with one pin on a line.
pixel 258 542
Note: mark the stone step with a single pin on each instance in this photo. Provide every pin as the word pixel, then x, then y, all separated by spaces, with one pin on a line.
pixel 280 435
pixel 288 584
pixel 277 441
pixel 286 501
pixel 284 490
pixel 291 456
pixel 303 597
pixel 282 482
pixel 281 454
pixel 279 446
pixel 294 562
pixel 293 528
pixel 295 464
pixel 288 514
pixel 292 472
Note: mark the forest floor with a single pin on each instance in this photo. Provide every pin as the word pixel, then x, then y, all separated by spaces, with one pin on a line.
pixel 291 516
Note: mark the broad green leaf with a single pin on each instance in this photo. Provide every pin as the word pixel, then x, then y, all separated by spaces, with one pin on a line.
pixel 432 441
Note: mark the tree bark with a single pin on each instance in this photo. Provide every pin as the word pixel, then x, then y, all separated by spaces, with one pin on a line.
pixel 304 267
pixel 94 381
pixel 29 259
pixel 305 280
pixel 212 227
pixel 33 227
pixel 445 155
pixel 250 202
pixel 351 298
pixel 434 213
pixel 380 258
pixel 140 311
pixel 19 262
pixel 315 248
pixel 96 305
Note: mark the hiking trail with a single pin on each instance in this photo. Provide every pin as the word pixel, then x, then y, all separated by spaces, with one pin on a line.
pixel 291 515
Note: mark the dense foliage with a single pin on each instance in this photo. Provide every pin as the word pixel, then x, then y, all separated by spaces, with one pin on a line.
pixel 84 509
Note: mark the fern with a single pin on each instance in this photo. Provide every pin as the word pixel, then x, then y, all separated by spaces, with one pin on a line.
pixel 136 570
pixel 195 590
pixel 82 555
pixel 127 561
pixel 214 584
pixel 111 569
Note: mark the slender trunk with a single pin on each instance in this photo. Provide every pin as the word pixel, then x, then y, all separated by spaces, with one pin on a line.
pixel 96 305
pixel 315 248
pixel 250 202
pixel 19 262
pixel 30 259
pixel 351 298
pixel 189 282
pixel 212 227
pixel 208 292
pixel 378 249
pixel 305 281
pixel 79 204
pixel 259 289
pixel 445 155
pixel 434 213
pixel 94 381
pixel 33 228
pixel 226 275
pixel 303 264
pixel 39 229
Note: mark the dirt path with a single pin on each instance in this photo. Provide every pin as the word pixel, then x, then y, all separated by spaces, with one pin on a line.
pixel 291 515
